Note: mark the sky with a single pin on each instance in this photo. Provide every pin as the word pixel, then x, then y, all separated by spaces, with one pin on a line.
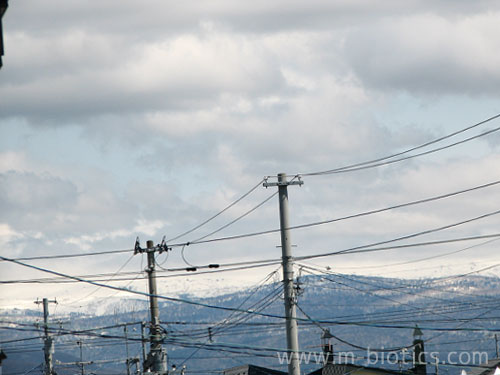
pixel 145 119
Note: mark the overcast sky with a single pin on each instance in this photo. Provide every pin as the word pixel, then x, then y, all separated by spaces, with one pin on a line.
pixel 124 119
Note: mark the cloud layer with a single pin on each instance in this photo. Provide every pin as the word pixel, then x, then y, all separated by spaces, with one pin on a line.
pixel 145 119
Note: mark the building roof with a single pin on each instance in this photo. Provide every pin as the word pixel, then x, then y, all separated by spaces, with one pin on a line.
pixel 252 370
pixel 342 369
pixel 485 369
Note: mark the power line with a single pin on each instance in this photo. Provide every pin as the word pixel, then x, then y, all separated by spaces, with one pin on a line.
pixel 269 262
pixel 414 310
pixel 64 332
pixel 112 276
pixel 224 322
pixel 301 226
pixel 364 248
pixel 379 161
pixel 206 305
pixel 347 342
pixel 361 214
pixel 217 214
pixel 235 220
pixel 214 267
pixel 400 288
pixel 172 299
pixel 371 292
pixel 427 258
pixel 139 276
pixel 74 255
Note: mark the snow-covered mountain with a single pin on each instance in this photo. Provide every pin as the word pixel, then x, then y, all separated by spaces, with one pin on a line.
pixel 455 314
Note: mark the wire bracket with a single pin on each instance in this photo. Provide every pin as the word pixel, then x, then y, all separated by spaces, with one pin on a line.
pixel 161 247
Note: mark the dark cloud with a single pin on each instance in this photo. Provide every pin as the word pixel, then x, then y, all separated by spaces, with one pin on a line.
pixel 153 17
pixel 72 61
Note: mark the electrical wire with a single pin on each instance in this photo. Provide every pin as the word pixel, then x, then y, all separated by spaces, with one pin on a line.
pixel 389 265
pixel 171 299
pixel 379 161
pixel 414 311
pixel 400 288
pixel 207 266
pixel 140 276
pixel 260 284
pixel 206 305
pixel 267 262
pixel 367 248
pixel 107 281
pixel 361 214
pixel 235 220
pixel 349 343
pixel 371 292
pixel 184 258
pixel 160 265
pixel 60 256
pixel 217 214
pixel 301 226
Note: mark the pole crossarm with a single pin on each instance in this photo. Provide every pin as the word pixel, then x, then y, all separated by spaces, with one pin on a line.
pixel 283 182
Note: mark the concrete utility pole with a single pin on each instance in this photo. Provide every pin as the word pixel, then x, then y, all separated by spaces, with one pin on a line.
pixel 2 357
pixel 127 362
pixel 82 366
pixel 81 363
pixel 143 341
pixel 496 344
pixel 292 337
pixel 48 347
pixel 157 358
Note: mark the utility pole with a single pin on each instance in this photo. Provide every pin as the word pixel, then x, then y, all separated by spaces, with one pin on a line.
pixel 48 347
pixel 81 364
pixel 81 357
pixel 292 337
pixel 143 341
pixel 2 357
pixel 496 344
pixel 126 345
pixel 157 358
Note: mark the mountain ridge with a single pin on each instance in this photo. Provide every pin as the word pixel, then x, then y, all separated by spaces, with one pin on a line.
pixel 358 309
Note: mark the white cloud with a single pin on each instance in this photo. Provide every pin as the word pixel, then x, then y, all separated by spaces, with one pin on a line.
pixel 429 53
pixel 144 227
pixel 7 234
pixel 149 228
pixel 12 160
pixel 161 116
pixel 181 72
